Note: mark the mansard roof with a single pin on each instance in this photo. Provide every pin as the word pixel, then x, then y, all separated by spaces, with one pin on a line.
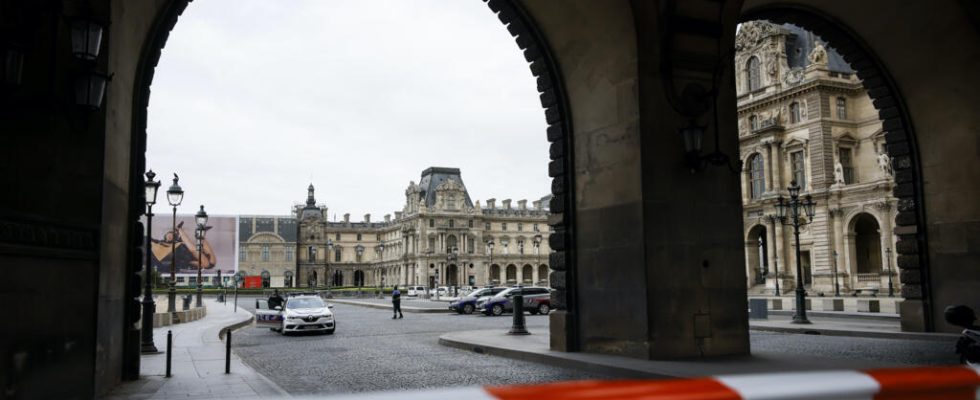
pixel 432 177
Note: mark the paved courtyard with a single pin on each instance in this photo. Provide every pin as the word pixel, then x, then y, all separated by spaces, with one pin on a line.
pixel 371 352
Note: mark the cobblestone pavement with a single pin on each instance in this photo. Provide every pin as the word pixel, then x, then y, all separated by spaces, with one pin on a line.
pixel 371 352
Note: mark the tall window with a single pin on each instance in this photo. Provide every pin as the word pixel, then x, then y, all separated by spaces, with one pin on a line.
pixel 289 253
pixel 241 253
pixel 503 226
pixel 337 237
pixel 536 229
pixel 265 252
pixel 337 253
pixel 520 227
pixel 432 244
pixel 470 223
pixel 520 246
pixel 311 253
pixel 799 168
pixel 452 223
pixel 845 161
pixel 841 108
pixel 794 112
pixel 358 237
pixel 487 226
pixel 470 245
pixel 755 81
pixel 753 123
pixel 377 237
pixel 432 223
pixel 757 176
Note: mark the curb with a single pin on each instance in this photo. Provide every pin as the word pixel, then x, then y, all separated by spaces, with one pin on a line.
pixel 935 337
pixel 419 310
pixel 237 325
pixel 241 324
pixel 550 360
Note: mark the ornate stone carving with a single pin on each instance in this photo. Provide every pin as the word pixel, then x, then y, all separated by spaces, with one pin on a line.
pixel 818 55
pixel 838 173
pixel 751 34
pixel 885 165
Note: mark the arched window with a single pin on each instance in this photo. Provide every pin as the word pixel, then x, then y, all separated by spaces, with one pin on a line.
pixel 752 69
pixel 527 274
pixel 543 273
pixel 495 273
pixel 512 273
pixel 794 112
pixel 757 176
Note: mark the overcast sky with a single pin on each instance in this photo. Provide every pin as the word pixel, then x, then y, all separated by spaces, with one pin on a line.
pixel 253 100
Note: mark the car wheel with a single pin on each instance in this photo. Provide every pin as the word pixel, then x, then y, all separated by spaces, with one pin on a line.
pixel 468 309
pixel 497 310
pixel 544 309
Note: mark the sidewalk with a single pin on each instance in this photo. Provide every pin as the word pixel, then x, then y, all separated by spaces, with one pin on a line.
pixel 198 363
pixel 410 306
pixel 536 348
pixel 872 327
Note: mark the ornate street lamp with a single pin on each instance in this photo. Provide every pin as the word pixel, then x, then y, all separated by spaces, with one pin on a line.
pixel 149 307
pixel 326 269
pixel 86 39
pixel 836 283
pixel 11 64
pixel 790 209
pixel 175 195
pixel 202 222
pixel 490 267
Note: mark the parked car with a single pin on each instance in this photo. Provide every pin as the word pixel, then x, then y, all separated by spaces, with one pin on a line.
pixel 415 291
pixel 501 302
pixel 466 304
pixel 441 290
pixel 301 313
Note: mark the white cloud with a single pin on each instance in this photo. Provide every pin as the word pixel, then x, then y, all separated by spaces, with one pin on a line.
pixel 253 98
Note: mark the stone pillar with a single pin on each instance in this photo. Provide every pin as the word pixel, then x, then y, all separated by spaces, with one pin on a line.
pixel 767 176
pixel 771 252
pixel 838 245
pixel 885 234
pixel 777 164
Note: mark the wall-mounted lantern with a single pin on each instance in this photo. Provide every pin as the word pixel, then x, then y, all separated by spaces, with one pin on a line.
pixel 13 64
pixel 90 89
pixel 86 38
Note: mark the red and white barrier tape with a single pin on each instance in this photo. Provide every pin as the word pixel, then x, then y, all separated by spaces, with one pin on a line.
pixel 926 383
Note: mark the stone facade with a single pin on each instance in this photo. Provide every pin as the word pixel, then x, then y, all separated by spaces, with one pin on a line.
pixel 804 116
pixel 439 238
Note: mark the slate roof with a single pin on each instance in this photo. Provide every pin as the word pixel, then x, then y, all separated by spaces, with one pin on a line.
pixel 432 177
pixel 805 41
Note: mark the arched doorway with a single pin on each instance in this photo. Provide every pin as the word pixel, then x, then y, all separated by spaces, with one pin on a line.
pixel 865 251
pixel 358 278
pixel 756 255
pixel 494 274
pixel 527 274
pixel 511 274
pixel 311 280
pixel 452 275
pixel 338 278
pixel 543 275
pixel 266 279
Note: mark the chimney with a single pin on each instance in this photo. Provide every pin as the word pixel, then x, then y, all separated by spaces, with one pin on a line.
pixel 522 205
pixel 506 204
pixel 537 204
pixel 492 203
pixel 347 218
pixel 387 217
pixel 367 218
pixel 398 215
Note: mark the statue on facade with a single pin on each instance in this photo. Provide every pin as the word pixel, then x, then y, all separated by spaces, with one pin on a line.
pixel 885 165
pixel 838 173
pixel 818 55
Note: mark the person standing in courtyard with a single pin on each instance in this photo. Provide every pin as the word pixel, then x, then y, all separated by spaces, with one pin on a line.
pixel 396 302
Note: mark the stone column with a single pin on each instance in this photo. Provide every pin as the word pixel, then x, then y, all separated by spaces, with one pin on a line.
pixel 768 167
pixel 885 234
pixel 771 251
pixel 784 261
pixel 746 194
pixel 838 245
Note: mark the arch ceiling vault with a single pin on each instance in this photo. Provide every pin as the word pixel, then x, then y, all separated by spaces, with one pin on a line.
pixel 617 80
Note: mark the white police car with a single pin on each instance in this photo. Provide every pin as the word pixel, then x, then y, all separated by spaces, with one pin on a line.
pixel 301 313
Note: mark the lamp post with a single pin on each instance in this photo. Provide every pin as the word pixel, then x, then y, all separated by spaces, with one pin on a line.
pixel 202 221
pixel 775 267
pixel 175 195
pixel 326 268
pixel 149 308
pixel 793 207
pixel 888 259
pixel 490 268
pixel 451 256
pixel 836 283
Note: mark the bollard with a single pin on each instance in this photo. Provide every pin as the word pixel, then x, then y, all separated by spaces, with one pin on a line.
pixel 236 298
pixel 228 352
pixel 518 327
pixel 170 343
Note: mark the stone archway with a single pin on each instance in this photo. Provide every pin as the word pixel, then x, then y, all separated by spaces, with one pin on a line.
pixel 452 275
pixel 757 255
pixel 901 141
pixel 358 278
pixel 527 275
pixel 511 272
pixel 495 274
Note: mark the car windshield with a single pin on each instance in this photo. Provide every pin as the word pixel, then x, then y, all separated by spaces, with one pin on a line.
pixel 481 292
pixel 304 302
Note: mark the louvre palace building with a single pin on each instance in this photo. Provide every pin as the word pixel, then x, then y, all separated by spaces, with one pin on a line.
pixel 805 117
pixel 439 238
